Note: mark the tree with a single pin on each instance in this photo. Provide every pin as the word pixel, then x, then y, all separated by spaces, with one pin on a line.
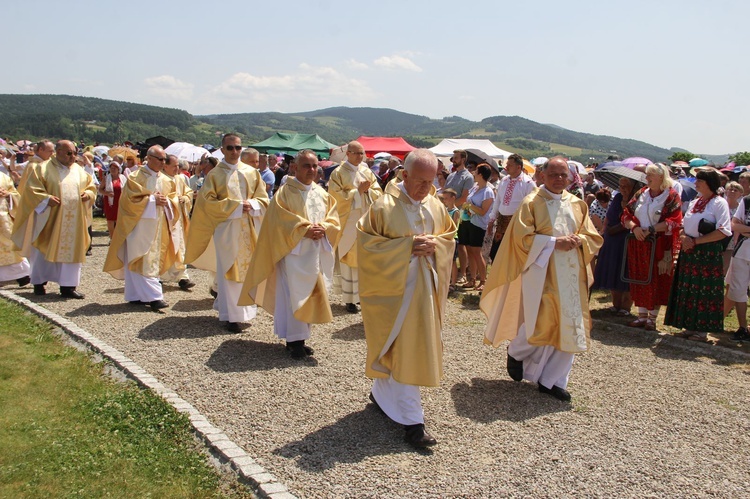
pixel 740 158
pixel 681 156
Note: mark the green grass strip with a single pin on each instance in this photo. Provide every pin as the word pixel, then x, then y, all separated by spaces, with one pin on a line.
pixel 68 431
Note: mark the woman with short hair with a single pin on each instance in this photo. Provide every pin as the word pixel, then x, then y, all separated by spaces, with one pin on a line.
pixel 697 296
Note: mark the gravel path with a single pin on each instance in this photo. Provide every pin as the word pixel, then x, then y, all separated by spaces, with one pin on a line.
pixel 647 418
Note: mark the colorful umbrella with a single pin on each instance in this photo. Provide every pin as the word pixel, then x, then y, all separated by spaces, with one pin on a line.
pixel 698 162
pixel 635 161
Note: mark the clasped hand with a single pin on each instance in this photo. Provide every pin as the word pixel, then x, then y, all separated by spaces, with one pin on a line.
pixel 316 232
pixel 640 233
pixel 364 186
pixel 4 193
pixel 423 245
pixel 161 199
pixel 567 243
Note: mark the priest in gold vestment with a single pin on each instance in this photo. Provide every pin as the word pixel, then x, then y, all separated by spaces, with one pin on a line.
pixel 178 271
pixel 52 219
pixel 355 188
pixel 405 250
pixel 291 270
pixel 228 213
pixel 537 291
pixel 13 265
pixel 43 151
pixel 142 247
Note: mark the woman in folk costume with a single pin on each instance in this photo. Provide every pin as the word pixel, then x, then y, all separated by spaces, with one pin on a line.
pixel 111 189
pixel 696 301
pixel 13 266
pixel 654 216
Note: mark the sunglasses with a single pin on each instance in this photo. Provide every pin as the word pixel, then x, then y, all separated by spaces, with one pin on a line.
pixel 158 157
pixel 233 148
pixel 70 153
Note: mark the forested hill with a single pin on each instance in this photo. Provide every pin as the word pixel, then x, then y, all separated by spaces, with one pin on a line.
pixel 100 120
pixel 93 119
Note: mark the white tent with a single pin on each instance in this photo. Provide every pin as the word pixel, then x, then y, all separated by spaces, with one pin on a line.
pixel 447 146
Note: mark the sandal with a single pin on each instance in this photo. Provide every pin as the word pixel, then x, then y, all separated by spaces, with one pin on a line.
pixel 650 325
pixel 480 288
pixel 468 285
pixel 461 280
pixel 452 288
pixel 624 313
pixel 639 322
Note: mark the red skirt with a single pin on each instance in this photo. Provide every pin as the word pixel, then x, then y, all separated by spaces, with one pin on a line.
pixel 648 296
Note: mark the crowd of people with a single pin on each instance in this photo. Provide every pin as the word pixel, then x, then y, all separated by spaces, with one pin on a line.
pixel 394 239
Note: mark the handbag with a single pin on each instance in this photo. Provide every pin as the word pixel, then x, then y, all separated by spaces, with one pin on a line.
pixel 706 227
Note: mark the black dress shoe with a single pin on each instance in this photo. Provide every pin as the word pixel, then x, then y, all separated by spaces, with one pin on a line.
pixel 213 293
pixel 39 289
pixel 416 436
pixel 185 284
pixel 556 391
pixel 515 368
pixel 158 304
pixel 70 292
pixel 23 281
pixel 377 406
pixel 352 308
pixel 88 252
pixel 298 349
pixel 137 302
pixel 234 327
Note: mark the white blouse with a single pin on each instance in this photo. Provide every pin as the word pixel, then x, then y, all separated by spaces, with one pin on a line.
pixel 716 211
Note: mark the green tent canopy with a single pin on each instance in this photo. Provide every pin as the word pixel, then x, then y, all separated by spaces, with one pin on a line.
pixel 291 143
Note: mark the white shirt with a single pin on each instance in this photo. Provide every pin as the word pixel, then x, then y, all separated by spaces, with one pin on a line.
pixel 716 211
pixel 524 186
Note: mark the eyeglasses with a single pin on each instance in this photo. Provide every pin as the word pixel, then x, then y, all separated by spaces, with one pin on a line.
pixel 70 153
pixel 158 157
pixel 233 148
pixel 556 175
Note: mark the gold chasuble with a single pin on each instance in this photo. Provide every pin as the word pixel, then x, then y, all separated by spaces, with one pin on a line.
pixel 284 227
pixel 403 296
pixel 351 205
pixel 549 295
pixel 9 253
pixel 181 229
pixel 224 190
pixel 60 233
pixel 35 161
pixel 150 248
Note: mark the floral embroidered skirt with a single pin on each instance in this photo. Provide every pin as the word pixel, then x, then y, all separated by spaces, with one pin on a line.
pixel 696 301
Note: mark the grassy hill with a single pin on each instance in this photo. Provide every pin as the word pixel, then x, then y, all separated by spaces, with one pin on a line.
pixel 95 120
pixel 107 121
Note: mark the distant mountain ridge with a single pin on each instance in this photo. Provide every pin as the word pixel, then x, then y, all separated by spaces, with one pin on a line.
pixel 102 120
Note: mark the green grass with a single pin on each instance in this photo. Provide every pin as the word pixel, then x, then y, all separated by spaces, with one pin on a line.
pixel 67 430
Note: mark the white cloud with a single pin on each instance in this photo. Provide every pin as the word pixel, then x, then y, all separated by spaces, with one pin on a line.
pixel 308 85
pixel 169 86
pixel 397 62
pixel 355 64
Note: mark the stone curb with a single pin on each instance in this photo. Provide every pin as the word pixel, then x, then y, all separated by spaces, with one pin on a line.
pixel 244 465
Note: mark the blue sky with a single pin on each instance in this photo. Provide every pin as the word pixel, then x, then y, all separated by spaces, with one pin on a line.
pixel 672 73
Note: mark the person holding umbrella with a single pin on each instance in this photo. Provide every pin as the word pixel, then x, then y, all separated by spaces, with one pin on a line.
pixel 654 216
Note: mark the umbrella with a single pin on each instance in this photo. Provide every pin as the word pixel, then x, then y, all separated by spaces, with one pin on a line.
pixel 177 147
pixel 688 189
pixel 610 175
pixel 697 162
pixel 539 161
pixel 218 154
pixel 23 143
pixel 480 156
pixel 635 161
pixel 125 151
pixel 609 164
pixel 383 155
pixel 680 163
pixel 99 150
pixel 528 167
pixel 579 167
pixel 192 153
